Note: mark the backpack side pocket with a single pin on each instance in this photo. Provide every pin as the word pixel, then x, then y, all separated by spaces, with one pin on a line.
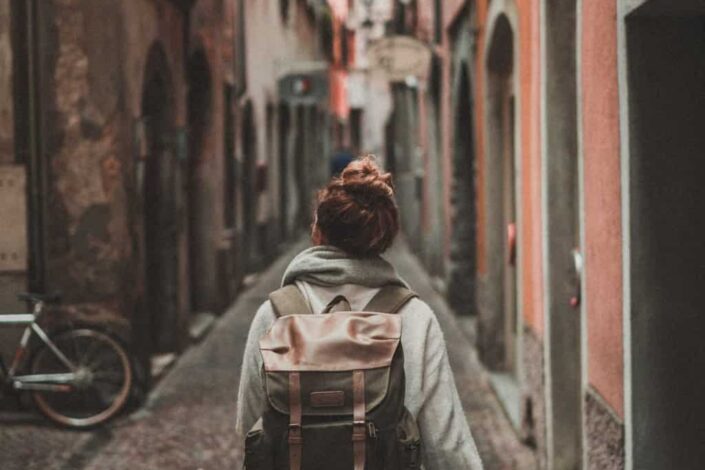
pixel 258 452
pixel 408 443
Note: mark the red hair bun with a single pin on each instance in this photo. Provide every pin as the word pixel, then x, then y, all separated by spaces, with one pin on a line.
pixel 357 211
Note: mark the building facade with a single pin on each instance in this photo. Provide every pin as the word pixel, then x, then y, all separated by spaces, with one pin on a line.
pixel 134 181
pixel 547 171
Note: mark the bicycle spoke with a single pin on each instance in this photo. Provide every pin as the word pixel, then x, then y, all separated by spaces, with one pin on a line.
pixel 94 402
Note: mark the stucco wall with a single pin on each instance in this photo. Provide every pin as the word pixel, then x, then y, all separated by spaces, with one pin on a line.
pixel 528 75
pixel 602 203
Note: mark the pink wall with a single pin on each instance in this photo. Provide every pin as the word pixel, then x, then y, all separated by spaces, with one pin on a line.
pixel 603 231
pixel 529 76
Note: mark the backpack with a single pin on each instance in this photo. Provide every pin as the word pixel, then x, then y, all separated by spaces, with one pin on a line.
pixel 335 388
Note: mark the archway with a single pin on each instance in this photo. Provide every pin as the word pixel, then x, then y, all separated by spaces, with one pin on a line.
pixel 461 288
pixel 200 213
pixel 562 223
pixel 498 322
pixel 161 193
pixel 666 83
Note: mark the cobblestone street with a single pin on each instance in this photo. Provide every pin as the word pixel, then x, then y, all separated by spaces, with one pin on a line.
pixel 188 420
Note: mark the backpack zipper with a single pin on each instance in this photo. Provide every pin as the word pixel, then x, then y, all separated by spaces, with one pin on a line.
pixel 372 430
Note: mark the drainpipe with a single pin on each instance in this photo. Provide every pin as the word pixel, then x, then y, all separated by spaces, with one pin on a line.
pixel 28 142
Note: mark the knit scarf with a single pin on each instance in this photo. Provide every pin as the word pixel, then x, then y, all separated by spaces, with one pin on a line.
pixel 329 266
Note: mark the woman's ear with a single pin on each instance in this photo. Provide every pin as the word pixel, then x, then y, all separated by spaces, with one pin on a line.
pixel 317 237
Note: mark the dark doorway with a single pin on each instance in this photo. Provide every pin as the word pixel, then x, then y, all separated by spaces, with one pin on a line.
pixel 161 193
pixel 300 170
pixel 498 325
pixel 563 236
pixel 461 288
pixel 199 213
pixel 249 209
pixel 666 79
pixel 284 131
pixel 230 163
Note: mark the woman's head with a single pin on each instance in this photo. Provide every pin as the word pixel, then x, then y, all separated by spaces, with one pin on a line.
pixel 357 211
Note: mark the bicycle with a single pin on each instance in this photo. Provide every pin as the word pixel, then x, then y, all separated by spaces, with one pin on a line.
pixel 79 377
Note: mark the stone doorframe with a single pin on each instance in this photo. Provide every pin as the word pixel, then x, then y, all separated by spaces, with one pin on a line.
pixel 626 9
pixel 491 295
pixel 562 216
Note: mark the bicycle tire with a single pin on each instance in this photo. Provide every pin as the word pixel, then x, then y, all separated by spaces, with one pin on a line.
pixel 99 356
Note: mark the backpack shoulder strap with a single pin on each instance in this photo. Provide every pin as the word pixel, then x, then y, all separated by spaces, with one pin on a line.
pixel 390 299
pixel 288 301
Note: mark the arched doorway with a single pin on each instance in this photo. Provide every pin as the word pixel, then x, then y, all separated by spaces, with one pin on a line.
pixel 562 224
pixel 161 199
pixel 200 213
pixel 461 288
pixel 498 325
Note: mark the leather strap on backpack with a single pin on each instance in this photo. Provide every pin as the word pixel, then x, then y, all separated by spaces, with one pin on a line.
pixel 296 439
pixel 289 301
pixel 359 429
pixel 390 299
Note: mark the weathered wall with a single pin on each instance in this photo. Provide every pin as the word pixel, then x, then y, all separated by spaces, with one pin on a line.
pixel 602 201
pixel 7 121
pixel 604 435
pixel 89 244
pixel 533 395
pixel 92 101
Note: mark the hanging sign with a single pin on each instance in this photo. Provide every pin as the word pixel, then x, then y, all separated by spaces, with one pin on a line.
pixel 399 57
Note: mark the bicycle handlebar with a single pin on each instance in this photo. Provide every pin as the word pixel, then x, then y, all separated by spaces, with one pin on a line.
pixel 36 297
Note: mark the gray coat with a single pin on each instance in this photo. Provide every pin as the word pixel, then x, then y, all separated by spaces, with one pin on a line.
pixel 431 394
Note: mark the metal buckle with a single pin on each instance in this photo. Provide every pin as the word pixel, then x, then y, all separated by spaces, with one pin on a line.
pixel 295 434
pixel 359 431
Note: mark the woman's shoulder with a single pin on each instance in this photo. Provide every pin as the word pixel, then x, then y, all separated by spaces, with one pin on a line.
pixel 418 314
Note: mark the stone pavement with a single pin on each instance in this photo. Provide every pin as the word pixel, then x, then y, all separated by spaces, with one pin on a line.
pixel 188 420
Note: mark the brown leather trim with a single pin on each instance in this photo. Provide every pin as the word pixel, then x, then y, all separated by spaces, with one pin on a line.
pixel 377 382
pixel 359 429
pixel 390 299
pixel 334 398
pixel 342 341
pixel 295 436
pixel 289 301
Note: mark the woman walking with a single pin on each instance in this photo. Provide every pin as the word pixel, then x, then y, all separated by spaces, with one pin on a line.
pixel 356 220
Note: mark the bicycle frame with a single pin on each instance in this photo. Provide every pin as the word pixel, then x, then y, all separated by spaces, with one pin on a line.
pixel 56 382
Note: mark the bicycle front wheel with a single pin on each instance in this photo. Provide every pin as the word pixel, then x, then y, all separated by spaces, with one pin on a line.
pixel 103 377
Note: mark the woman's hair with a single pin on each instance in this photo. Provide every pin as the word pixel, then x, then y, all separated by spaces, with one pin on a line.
pixel 357 211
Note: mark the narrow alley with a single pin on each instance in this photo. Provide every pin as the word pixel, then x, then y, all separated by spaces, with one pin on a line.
pixel 188 421
pixel 160 161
